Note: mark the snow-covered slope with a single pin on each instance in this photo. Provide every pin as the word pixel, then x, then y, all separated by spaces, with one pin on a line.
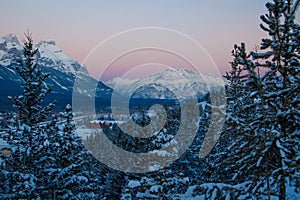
pixel 51 59
pixel 49 55
pixel 10 48
pixel 169 84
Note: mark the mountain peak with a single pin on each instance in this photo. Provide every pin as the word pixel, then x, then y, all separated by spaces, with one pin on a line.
pixel 49 42
pixel 9 38
pixel 183 83
pixel 9 41
pixel 49 55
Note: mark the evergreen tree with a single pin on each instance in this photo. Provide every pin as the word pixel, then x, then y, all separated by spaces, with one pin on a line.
pixel 48 159
pixel 22 167
pixel 263 105
pixel 29 104
pixel 71 174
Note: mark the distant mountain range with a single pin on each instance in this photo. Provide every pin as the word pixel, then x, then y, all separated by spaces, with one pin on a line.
pixel 51 59
pixel 169 84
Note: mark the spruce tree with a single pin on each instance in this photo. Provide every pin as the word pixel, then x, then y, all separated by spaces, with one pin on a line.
pixel 48 159
pixel 263 98
pixel 29 104
pixel 71 174
pixel 22 168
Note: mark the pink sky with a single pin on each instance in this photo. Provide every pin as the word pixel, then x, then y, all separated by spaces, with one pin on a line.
pixel 78 26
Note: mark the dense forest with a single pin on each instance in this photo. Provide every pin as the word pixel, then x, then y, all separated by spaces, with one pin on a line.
pixel 256 157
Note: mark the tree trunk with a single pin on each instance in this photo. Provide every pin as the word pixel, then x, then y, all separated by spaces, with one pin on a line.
pixel 269 190
pixel 282 187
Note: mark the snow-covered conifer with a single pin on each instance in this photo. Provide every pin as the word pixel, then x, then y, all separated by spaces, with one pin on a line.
pixel 263 100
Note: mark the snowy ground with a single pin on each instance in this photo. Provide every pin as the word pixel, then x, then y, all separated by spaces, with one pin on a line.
pixel 84 132
pixel 2 143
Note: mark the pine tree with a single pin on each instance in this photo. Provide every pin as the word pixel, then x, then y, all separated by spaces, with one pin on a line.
pixel 48 159
pixel 21 169
pixel 71 174
pixel 29 104
pixel 263 99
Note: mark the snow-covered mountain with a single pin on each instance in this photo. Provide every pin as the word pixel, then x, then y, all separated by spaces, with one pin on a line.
pixel 51 59
pixel 169 84
pixel 48 55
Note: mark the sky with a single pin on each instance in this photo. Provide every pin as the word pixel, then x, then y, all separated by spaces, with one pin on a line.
pixel 79 26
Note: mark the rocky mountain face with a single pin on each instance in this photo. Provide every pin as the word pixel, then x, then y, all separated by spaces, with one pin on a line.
pixel 169 84
pixel 51 59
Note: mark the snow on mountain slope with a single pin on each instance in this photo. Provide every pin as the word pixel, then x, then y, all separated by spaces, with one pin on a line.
pixel 49 55
pixel 10 48
pixel 9 41
pixel 62 68
pixel 169 84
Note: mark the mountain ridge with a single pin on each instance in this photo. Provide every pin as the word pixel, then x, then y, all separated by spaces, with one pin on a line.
pixel 171 83
pixel 62 68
